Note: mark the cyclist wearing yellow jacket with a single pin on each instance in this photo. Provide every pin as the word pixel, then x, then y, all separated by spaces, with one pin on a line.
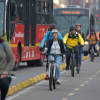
pixel 72 39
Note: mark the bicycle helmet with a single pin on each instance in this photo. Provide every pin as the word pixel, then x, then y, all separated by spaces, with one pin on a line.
pixel 72 28
pixel 78 24
pixel 52 26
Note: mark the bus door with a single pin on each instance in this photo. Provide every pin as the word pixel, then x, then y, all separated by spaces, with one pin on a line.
pixel 33 21
pixel 26 23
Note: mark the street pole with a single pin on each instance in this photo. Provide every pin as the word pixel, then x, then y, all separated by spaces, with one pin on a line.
pixel 84 3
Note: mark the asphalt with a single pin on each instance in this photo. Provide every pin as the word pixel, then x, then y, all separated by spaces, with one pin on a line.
pixel 84 86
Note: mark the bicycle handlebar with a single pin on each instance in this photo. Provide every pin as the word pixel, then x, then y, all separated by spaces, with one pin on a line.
pixel 53 54
pixel 8 74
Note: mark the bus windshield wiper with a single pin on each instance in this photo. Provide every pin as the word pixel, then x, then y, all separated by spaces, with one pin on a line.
pixel 65 18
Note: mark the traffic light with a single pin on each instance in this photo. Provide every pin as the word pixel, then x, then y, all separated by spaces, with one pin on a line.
pixel 97 16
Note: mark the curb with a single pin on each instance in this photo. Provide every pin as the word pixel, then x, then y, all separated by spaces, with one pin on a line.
pixel 21 85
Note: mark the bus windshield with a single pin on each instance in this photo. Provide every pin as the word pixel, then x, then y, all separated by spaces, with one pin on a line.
pixel 64 22
pixel 1 18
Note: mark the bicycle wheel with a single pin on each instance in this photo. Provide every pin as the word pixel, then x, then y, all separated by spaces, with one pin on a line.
pixel 78 70
pixel 51 78
pixel 92 56
pixel 72 69
pixel 54 83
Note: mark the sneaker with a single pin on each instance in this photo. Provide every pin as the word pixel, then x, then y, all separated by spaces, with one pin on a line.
pixel 95 54
pixel 67 68
pixel 47 78
pixel 58 82
pixel 88 55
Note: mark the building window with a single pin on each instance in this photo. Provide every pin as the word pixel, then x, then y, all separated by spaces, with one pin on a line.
pixel 47 19
pixel 19 11
pixel 38 7
pixel 51 7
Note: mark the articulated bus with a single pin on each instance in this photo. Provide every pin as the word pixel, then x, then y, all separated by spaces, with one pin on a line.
pixel 66 17
pixel 23 24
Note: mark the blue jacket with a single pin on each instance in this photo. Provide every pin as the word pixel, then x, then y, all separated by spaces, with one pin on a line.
pixel 48 36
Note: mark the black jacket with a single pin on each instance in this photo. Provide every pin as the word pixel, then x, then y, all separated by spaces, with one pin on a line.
pixel 50 42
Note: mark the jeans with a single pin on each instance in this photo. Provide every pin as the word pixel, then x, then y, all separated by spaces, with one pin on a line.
pixel 80 53
pixel 69 51
pixel 58 60
pixel 4 86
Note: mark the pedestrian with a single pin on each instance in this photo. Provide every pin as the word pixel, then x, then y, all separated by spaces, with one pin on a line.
pixel 6 66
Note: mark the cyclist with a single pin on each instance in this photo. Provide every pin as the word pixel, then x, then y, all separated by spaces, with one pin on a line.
pixel 47 37
pixel 93 40
pixel 78 28
pixel 55 46
pixel 72 38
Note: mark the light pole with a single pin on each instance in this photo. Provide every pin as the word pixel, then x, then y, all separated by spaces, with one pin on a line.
pixel 71 2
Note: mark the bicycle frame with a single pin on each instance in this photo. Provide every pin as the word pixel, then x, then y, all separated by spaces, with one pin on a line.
pixel 54 63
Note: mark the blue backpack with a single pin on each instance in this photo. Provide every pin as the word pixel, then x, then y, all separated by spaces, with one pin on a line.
pixel 3 46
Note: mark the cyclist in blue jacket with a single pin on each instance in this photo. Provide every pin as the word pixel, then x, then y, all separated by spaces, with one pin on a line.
pixel 47 37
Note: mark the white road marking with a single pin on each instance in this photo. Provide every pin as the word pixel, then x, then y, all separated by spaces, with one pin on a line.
pixel 90 78
pixel 94 75
pixel 98 71
pixel 77 89
pixel 86 81
pixel 71 94
pixel 82 85
pixel 64 99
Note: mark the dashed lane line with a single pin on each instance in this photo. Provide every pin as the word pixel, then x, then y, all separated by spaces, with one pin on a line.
pixel 82 85
pixel 64 99
pixel 71 94
pixel 90 78
pixel 93 75
pixel 77 89
pixel 86 81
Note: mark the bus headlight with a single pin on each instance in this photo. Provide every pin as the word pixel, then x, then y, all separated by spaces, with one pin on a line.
pixel 86 42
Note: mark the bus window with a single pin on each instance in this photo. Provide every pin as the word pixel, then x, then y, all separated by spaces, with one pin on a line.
pixel 38 6
pixel 42 6
pixel 47 18
pixel 51 7
pixel 43 19
pixel 46 7
pixel 38 19
pixel 19 11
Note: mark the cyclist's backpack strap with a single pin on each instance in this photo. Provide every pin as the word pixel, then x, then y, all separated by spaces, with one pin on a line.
pixel 3 46
pixel 81 33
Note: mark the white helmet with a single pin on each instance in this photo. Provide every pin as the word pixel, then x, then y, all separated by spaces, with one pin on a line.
pixel 54 31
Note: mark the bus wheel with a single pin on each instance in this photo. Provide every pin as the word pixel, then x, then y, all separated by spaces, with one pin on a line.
pixel 18 59
pixel 39 62
pixel 31 63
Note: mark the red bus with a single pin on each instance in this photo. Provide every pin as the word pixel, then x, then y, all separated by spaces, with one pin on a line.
pixel 23 23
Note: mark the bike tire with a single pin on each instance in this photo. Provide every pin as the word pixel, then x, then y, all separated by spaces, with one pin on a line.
pixel 72 69
pixel 92 56
pixel 51 78
pixel 54 83
pixel 78 70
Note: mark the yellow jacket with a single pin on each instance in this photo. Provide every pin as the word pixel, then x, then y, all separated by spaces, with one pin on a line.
pixel 73 42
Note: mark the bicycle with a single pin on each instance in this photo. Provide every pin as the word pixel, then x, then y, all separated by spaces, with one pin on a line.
pixel 91 51
pixel 52 69
pixel 72 62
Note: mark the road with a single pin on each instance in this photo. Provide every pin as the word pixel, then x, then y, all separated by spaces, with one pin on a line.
pixel 84 86
pixel 24 72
